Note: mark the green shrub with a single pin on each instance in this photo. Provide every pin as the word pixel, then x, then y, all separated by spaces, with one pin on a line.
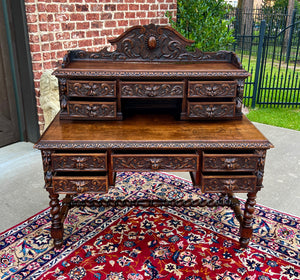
pixel 204 22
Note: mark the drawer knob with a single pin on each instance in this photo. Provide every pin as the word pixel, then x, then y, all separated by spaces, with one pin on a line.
pixel 155 163
pixel 152 42
pixel 230 163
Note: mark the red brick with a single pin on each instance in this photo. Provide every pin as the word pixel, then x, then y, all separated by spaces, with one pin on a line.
pixel 43 27
pixel 105 16
pixel 118 31
pixel 56 45
pixel 53 27
pixel 62 36
pixel 50 17
pixel 99 41
pixel 130 15
pixel 163 7
pixel 36 66
pixel 82 25
pixel 119 15
pixel 151 14
pixel 109 7
pixel 68 26
pixel 37 75
pixel 32 28
pixel 70 45
pixel 41 7
pixel 61 54
pixel 77 34
pixel 30 8
pixel 140 14
pixel 144 21
pixel 77 17
pixel 46 56
pixel 122 7
pixel 92 16
pixel 93 33
pixel 154 7
pixel 84 43
pixel 123 22
pixel 154 21
pixel 37 57
pixel 61 17
pixel 140 1
pixel 53 55
pixel 34 38
pixel 96 8
pixel 47 65
pixel 31 18
pixel 110 23
pixel 164 21
pixel 106 32
pixel 96 24
pixel 133 22
pixel 77 1
pixel 35 48
pixel 52 8
pixel 43 18
pixel 144 7
pixel 67 8
pixel 45 47
pixel 134 7
pixel 82 8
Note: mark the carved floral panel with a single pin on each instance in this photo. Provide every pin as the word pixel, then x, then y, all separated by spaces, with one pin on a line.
pixel 146 162
pixel 210 111
pixel 92 89
pixel 167 89
pixel 228 184
pixel 85 162
pixel 79 184
pixel 212 89
pixel 229 162
pixel 104 110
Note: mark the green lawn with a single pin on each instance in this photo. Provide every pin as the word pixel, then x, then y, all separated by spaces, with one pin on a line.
pixel 282 117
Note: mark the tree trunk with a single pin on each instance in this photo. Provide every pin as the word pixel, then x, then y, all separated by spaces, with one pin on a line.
pixel 246 22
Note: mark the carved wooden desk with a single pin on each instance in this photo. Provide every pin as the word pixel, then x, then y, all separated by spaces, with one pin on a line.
pixel 83 157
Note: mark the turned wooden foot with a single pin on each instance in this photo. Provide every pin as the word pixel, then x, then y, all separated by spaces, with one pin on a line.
pixel 57 229
pixel 246 225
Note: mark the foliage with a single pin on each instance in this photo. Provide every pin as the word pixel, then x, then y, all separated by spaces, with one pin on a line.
pixel 282 117
pixel 204 21
pixel 277 6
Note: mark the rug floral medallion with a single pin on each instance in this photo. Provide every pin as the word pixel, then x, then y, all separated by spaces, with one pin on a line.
pixel 153 243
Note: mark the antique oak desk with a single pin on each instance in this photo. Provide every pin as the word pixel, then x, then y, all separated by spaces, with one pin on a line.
pixel 151 105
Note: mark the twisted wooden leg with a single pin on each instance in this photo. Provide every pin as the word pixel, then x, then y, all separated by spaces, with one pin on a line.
pixel 57 229
pixel 246 225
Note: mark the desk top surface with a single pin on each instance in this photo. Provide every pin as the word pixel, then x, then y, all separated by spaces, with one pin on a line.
pixel 152 131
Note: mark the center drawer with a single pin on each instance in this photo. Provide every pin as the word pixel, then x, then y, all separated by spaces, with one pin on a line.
pixel 79 162
pixel 80 184
pixel 152 89
pixel 153 162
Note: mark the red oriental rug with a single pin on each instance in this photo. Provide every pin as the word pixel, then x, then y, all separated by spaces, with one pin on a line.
pixel 153 243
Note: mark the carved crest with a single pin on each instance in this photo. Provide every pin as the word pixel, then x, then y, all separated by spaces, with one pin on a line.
pixel 150 43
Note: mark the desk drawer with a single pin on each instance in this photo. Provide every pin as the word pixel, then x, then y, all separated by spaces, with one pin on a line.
pixel 229 162
pixel 230 183
pixel 92 110
pixel 199 110
pixel 152 89
pixel 153 162
pixel 80 184
pixel 91 88
pixel 205 89
pixel 79 162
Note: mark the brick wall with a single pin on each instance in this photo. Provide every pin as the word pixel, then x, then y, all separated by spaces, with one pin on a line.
pixel 55 26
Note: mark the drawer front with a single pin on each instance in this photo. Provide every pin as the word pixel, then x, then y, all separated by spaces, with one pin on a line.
pixel 212 89
pixel 198 110
pixel 92 110
pixel 68 184
pixel 226 162
pixel 147 162
pixel 79 162
pixel 91 88
pixel 152 89
pixel 240 183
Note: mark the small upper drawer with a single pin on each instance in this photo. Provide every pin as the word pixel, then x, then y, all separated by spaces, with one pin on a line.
pixel 229 162
pixel 82 184
pixel 205 89
pixel 147 162
pixel 229 183
pixel 91 88
pixel 152 89
pixel 79 162
pixel 205 110
pixel 92 110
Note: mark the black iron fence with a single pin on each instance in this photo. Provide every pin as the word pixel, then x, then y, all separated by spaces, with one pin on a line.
pixel 268 46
